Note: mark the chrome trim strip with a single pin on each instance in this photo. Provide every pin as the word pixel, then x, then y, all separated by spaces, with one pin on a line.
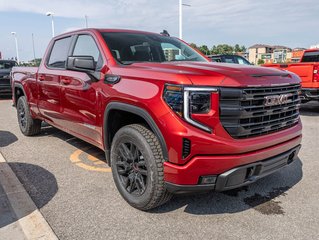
pixel 186 106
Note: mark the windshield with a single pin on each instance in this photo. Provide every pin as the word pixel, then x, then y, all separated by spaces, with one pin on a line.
pixel 6 64
pixel 310 57
pixel 128 48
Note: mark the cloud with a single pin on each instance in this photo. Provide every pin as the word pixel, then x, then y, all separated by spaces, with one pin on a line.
pixel 290 22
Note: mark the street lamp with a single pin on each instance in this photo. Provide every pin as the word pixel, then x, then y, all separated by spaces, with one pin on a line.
pixel 50 14
pixel 14 34
pixel 181 4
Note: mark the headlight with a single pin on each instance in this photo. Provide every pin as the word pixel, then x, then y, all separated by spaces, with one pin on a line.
pixel 173 96
pixel 189 100
pixel 200 102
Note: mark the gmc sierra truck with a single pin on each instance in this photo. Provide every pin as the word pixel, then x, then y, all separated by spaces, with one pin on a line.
pixel 169 120
pixel 308 70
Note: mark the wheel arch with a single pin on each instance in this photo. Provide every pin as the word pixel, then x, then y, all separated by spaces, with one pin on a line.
pixel 136 111
pixel 18 91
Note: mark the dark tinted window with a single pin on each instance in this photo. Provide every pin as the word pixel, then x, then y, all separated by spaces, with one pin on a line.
pixel 311 57
pixel 59 53
pixel 241 60
pixel 86 46
pixel 7 64
pixel 229 59
pixel 128 48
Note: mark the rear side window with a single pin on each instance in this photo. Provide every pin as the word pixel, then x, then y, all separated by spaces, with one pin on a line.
pixel 229 59
pixel 311 57
pixel 59 53
pixel 86 46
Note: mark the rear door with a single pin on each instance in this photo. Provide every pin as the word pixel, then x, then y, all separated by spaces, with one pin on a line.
pixel 49 98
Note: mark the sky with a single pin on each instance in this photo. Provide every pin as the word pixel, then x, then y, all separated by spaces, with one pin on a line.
pixel 292 23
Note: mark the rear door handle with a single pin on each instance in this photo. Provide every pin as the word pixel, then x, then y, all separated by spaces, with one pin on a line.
pixel 41 77
pixel 66 81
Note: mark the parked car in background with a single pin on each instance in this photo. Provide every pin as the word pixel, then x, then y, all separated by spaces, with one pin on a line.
pixel 229 59
pixel 168 119
pixel 5 69
pixel 308 71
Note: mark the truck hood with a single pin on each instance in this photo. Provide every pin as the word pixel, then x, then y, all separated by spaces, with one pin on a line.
pixel 219 74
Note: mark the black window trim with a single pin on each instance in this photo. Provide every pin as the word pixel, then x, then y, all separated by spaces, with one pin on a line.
pixel 51 48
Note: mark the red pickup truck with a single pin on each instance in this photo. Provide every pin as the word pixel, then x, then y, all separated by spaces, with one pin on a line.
pixel 168 120
pixel 308 70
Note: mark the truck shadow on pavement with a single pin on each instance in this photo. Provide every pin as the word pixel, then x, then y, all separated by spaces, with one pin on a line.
pixel 263 196
pixel 309 109
pixel 7 138
pixel 40 184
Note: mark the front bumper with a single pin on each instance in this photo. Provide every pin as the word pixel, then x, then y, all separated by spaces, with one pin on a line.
pixel 308 94
pixel 241 176
pixel 5 89
pixel 187 177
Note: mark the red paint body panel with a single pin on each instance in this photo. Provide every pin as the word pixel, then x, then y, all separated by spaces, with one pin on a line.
pixel 70 101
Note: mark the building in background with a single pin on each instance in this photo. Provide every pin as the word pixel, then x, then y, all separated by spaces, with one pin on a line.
pixel 295 55
pixel 267 53
pixel 170 53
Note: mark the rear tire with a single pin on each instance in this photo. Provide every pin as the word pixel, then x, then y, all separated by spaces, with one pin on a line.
pixel 27 124
pixel 137 167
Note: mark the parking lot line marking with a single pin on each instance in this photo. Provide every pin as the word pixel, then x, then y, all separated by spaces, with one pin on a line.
pixel 95 160
pixel 30 219
pixel 75 158
pixel 92 168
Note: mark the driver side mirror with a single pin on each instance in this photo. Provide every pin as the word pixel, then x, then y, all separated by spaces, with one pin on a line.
pixel 81 63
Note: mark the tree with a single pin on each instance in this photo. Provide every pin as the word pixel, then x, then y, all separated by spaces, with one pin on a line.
pixel 260 61
pixel 204 49
pixel 222 49
pixel 193 45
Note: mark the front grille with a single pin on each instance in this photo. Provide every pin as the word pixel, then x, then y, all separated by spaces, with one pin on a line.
pixel 244 114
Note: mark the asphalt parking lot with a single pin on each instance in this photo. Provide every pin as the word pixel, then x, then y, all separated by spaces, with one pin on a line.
pixel 72 186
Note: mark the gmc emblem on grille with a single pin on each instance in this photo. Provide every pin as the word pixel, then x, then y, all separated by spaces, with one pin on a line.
pixel 277 99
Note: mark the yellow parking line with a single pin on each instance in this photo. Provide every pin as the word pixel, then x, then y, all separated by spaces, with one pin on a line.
pixel 75 158
pixel 92 168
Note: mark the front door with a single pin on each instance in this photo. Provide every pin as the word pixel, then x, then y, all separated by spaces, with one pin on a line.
pixel 79 95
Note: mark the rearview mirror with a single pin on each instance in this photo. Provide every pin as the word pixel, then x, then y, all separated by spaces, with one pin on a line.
pixel 81 63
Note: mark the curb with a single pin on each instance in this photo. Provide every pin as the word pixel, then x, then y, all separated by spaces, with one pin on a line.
pixel 30 219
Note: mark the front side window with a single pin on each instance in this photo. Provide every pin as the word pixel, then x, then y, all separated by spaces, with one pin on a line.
pixel 59 53
pixel 128 48
pixel 86 46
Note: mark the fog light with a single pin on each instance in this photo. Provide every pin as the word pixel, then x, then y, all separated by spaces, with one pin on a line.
pixel 207 179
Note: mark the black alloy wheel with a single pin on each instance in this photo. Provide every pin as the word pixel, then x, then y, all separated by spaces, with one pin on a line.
pixel 132 169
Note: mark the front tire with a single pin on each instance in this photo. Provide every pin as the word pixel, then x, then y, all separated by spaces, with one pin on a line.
pixel 27 124
pixel 137 167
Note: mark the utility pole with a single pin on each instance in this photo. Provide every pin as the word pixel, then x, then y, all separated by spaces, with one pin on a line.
pixel 33 47
pixel 86 21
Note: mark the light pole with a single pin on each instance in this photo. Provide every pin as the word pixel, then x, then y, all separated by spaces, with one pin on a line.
pixel 33 47
pixel 50 14
pixel 86 21
pixel 14 34
pixel 181 4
